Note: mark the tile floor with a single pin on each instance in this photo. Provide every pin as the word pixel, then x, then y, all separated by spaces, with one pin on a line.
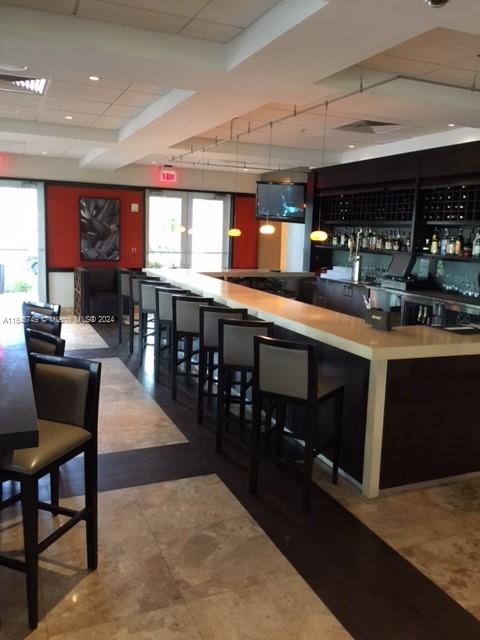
pixel 178 560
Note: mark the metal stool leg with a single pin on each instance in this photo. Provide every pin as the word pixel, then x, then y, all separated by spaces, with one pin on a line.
pixel 220 409
pixel 30 536
pixel 257 411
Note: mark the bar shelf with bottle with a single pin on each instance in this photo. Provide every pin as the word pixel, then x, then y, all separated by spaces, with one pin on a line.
pixel 391 206
pixel 450 204
pixel 452 243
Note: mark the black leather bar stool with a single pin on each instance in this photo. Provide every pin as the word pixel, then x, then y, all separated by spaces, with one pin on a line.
pixel 235 355
pixel 185 327
pixel 66 397
pixel 208 347
pixel 46 343
pixel 287 372
pixel 133 323
pixel 163 322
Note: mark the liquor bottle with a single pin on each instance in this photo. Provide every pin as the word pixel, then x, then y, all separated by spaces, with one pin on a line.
pixel 459 244
pixel 476 245
pixel 407 243
pixel 468 247
pixel 335 239
pixel 434 244
pixel 365 239
pixel 379 243
pixel 373 241
pixel 389 241
pixel 426 246
pixel 451 246
pixel 397 243
pixel 343 238
pixel 444 243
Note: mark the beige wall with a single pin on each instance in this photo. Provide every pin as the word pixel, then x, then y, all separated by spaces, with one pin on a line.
pixel 36 168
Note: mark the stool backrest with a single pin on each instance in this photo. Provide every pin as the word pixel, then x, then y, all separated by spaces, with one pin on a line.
pixel 45 323
pixel 146 295
pixel 236 340
pixel 124 282
pixel 45 308
pixel 209 317
pixel 164 301
pixel 66 390
pixel 41 342
pixel 185 313
pixel 135 281
pixel 285 368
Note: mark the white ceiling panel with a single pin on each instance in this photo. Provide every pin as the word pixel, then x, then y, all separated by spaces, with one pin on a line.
pixel 76 150
pixel 81 77
pixel 240 14
pixel 135 99
pixel 449 75
pixel 57 6
pixel 73 106
pixel 52 148
pixel 19 99
pixel 121 14
pixel 186 8
pixel 107 122
pixel 142 87
pixel 440 46
pixel 7 146
pixel 210 31
pixel 120 111
pixel 399 65
pixel 18 113
pixel 58 117
pixel 82 92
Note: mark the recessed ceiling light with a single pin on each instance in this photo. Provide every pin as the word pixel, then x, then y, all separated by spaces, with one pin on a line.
pixel 450 124
pixel 153 162
pixel 351 146
pixel 68 117
pixel 94 78
pixel 245 168
pixel 13 67
pixel 44 153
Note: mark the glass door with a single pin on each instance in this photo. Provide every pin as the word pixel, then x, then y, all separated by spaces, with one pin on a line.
pixel 188 230
pixel 22 242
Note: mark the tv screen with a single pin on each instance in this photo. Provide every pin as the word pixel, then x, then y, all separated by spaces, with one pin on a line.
pixel 281 202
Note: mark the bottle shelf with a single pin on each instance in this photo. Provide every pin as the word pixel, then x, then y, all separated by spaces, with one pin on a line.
pixel 377 251
pixel 438 256
pixel 392 224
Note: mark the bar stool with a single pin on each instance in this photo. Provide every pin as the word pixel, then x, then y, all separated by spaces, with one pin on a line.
pixel 146 307
pixel 45 308
pixel 163 321
pixel 123 288
pixel 208 347
pixel 41 342
pixel 45 323
pixel 134 283
pixel 235 354
pixel 287 372
pixel 186 326
pixel 66 396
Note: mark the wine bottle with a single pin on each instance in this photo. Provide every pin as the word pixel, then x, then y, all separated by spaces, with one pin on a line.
pixel 476 245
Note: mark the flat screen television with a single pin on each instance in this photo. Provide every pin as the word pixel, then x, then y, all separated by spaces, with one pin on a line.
pixel 281 202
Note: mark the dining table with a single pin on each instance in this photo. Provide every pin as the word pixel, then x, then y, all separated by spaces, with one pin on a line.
pixel 18 417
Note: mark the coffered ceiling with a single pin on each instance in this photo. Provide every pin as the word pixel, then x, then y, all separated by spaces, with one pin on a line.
pixel 177 76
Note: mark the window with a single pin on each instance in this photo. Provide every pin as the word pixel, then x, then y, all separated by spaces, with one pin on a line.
pixel 188 230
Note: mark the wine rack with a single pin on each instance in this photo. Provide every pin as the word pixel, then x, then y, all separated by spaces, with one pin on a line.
pixel 369 207
pixel 451 204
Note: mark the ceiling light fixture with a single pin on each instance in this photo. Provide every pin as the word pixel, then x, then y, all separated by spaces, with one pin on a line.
pixel 44 153
pixel 451 124
pixel 235 232
pixel 68 117
pixel 318 235
pixel 94 78
pixel 351 146
pixel 437 4
pixel 13 67
pixel 267 229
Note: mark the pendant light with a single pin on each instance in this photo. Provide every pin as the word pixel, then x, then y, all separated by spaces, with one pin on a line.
pixel 234 232
pixel 319 235
pixel 268 229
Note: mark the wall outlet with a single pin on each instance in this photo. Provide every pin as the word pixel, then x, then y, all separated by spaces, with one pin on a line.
pixel 134 208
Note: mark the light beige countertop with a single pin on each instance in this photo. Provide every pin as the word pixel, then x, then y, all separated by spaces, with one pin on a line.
pixel 335 329
pixel 258 273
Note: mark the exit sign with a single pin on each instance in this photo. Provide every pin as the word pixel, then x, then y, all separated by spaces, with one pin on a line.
pixel 168 175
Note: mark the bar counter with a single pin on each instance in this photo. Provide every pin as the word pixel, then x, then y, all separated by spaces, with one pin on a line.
pixel 410 416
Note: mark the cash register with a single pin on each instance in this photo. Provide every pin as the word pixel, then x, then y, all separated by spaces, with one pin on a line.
pixel 398 274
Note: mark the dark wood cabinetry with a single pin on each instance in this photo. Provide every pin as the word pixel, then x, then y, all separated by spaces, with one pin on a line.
pixel 342 297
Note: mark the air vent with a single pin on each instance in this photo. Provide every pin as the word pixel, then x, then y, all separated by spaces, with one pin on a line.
pixel 22 84
pixel 370 126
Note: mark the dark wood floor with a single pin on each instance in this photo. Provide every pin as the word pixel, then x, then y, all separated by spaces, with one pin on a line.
pixel 374 592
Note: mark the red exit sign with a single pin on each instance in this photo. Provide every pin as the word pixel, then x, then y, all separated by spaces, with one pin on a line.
pixel 168 175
